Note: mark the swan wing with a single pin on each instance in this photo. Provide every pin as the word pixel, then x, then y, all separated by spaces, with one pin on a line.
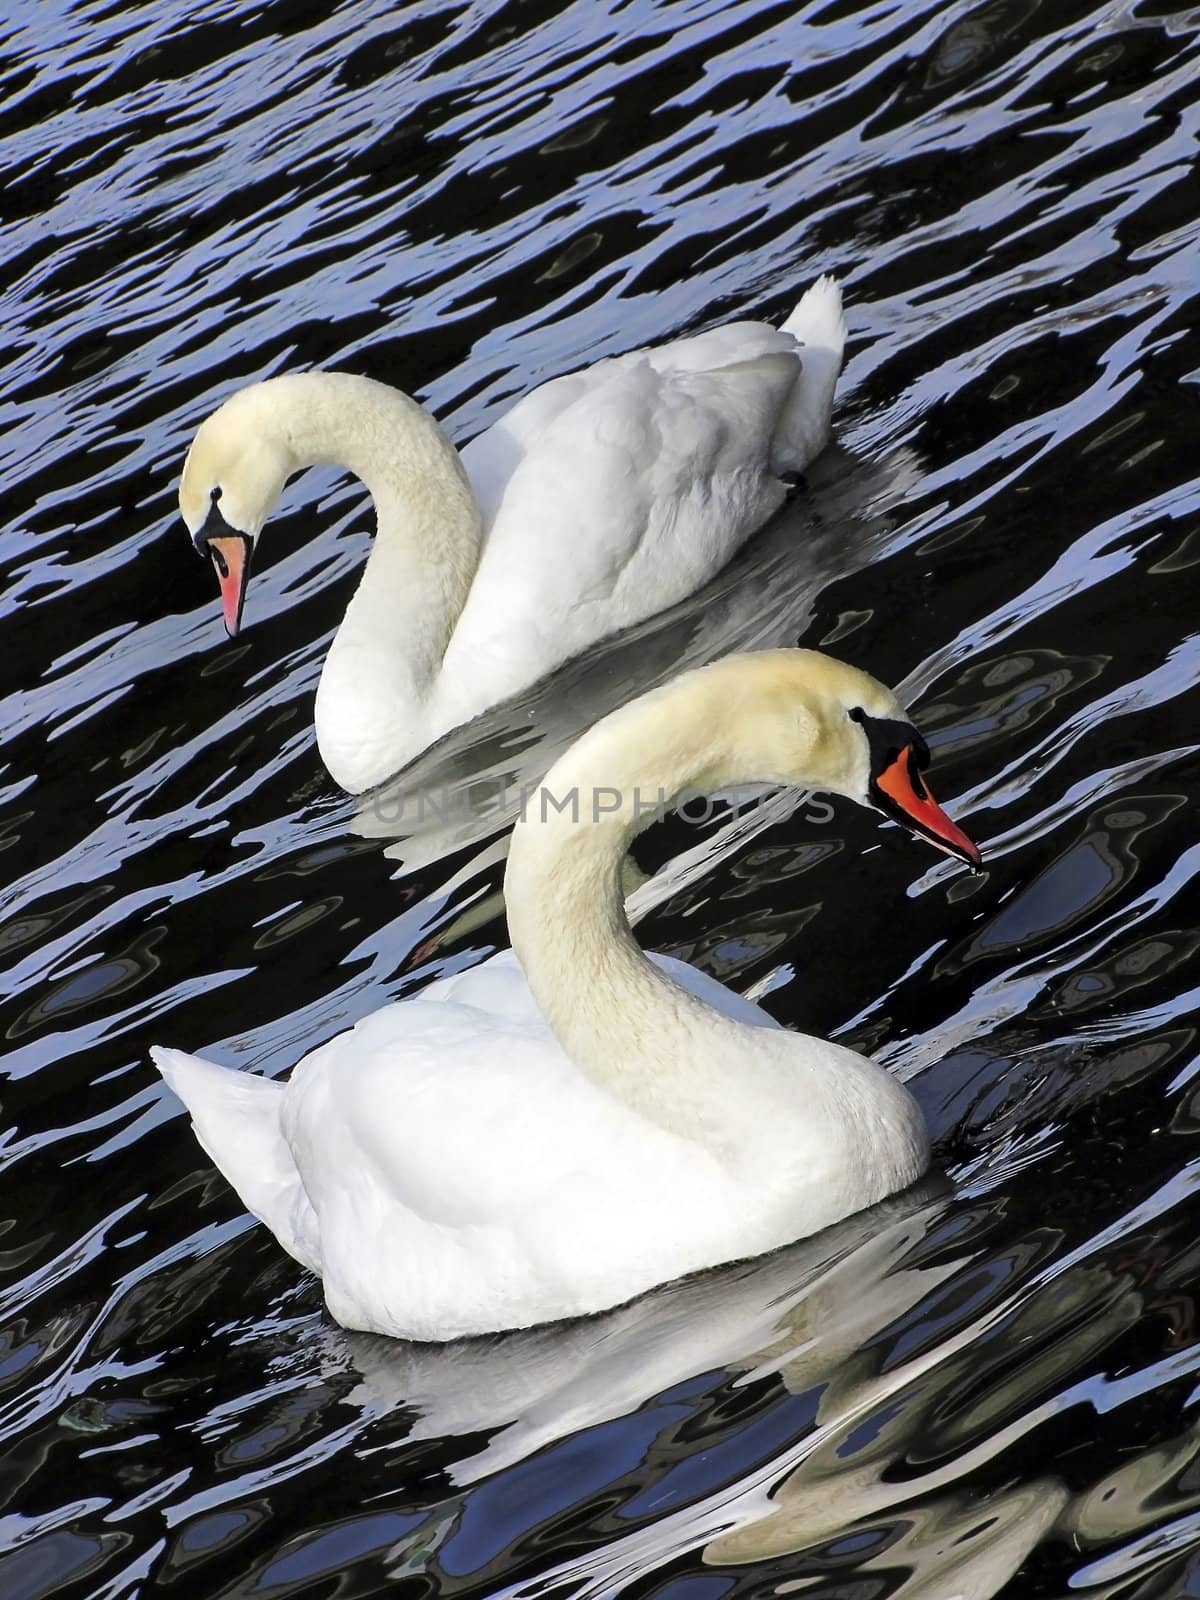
pixel 815 331
pixel 613 493
pixel 635 495
pixel 493 456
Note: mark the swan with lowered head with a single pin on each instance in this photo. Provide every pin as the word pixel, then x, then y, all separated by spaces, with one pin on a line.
pixel 599 499
pixel 571 1122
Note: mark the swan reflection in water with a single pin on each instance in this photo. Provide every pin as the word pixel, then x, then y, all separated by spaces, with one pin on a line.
pixel 895 1331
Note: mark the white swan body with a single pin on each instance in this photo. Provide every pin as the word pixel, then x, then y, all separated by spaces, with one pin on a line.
pixel 561 1128
pixel 599 499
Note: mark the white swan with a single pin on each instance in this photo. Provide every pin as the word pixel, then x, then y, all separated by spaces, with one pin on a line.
pixel 599 499
pixel 570 1123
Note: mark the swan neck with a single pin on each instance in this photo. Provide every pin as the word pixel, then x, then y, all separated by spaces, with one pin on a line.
pixel 621 1018
pixel 383 665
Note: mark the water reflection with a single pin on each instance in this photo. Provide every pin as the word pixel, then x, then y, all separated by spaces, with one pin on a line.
pixel 1078 883
pixel 1126 967
pixel 1014 690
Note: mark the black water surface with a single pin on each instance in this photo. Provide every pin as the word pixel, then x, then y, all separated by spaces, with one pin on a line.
pixel 988 1387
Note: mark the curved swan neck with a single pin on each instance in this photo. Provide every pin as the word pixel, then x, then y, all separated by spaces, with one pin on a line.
pixel 390 646
pixel 619 1017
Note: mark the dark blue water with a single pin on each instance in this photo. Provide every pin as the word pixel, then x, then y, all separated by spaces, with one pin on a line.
pixel 988 1387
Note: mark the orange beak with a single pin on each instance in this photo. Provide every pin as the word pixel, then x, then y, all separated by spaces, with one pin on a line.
pixel 231 558
pixel 912 804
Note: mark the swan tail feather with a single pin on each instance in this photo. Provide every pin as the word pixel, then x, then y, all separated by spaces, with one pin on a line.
pixel 817 318
pixel 236 1118
pixel 819 327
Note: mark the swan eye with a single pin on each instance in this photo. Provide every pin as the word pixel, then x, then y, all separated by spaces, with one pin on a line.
pixel 214 524
pixel 889 740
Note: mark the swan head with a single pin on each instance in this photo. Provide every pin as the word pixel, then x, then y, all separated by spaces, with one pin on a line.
pixel 801 718
pixel 855 738
pixel 232 478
